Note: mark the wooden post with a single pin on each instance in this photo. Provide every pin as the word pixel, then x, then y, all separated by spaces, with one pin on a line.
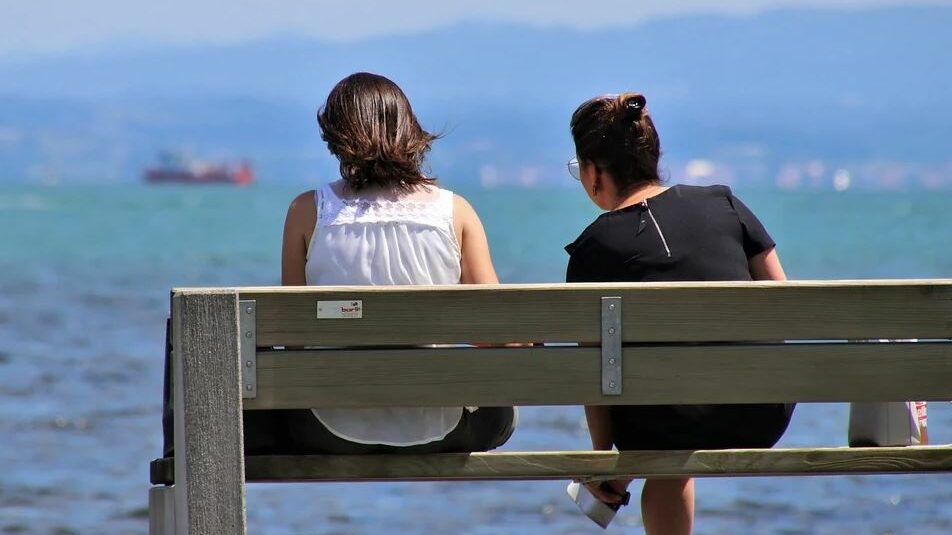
pixel 209 461
pixel 162 510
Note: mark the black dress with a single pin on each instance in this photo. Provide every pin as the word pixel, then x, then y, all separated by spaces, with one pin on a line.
pixel 686 233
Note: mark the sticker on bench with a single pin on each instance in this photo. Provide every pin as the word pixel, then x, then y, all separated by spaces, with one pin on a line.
pixel 327 310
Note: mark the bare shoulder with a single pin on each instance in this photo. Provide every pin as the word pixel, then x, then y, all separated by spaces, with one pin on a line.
pixel 462 210
pixel 302 200
pixel 302 212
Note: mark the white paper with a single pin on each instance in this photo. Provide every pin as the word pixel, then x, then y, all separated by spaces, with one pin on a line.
pixel 593 508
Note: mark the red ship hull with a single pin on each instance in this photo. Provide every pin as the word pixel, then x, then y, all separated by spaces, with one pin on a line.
pixel 241 176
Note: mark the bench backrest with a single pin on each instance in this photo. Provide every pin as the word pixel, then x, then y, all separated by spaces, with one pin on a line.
pixel 676 343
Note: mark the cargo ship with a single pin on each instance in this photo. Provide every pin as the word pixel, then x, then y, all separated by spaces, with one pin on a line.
pixel 174 169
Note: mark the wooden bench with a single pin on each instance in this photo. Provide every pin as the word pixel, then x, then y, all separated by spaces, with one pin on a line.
pixel 606 344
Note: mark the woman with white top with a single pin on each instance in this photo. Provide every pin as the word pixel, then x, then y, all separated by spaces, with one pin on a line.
pixel 383 223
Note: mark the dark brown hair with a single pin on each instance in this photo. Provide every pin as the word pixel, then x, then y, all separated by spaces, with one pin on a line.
pixel 369 126
pixel 617 134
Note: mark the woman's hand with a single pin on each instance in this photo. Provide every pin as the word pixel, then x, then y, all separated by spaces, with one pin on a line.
pixel 612 493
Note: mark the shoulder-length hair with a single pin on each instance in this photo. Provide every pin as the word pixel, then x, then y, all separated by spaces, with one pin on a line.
pixel 369 126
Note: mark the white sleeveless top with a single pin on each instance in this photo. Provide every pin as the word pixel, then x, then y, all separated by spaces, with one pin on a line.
pixel 376 241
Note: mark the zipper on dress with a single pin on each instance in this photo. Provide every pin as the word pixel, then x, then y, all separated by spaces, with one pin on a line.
pixel 657 227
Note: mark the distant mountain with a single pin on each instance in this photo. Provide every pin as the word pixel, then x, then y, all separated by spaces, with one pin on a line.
pixel 782 86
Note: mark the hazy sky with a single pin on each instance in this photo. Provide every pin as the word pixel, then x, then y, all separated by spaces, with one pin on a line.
pixel 51 26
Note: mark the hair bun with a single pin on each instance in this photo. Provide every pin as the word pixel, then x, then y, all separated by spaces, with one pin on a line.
pixel 633 104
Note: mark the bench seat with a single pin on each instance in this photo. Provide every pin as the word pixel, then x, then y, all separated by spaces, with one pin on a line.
pixel 564 465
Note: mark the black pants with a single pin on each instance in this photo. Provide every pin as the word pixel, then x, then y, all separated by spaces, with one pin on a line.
pixel 689 427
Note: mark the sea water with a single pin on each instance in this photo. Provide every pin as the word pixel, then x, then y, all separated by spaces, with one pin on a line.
pixel 85 273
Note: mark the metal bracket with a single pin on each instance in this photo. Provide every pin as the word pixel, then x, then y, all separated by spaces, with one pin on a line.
pixel 611 346
pixel 248 343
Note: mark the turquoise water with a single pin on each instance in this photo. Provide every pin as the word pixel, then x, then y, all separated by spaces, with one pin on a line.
pixel 84 280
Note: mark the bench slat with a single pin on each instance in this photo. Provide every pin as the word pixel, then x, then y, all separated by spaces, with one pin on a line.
pixel 655 312
pixel 571 375
pixel 588 465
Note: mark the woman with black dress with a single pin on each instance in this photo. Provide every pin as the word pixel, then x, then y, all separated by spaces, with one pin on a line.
pixel 652 233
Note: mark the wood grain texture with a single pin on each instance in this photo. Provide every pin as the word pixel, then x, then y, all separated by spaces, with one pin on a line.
pixel 162 509
pixel 653 312
pixel 210 497
pixel 572 376
pixel 713 361
pixel 597 465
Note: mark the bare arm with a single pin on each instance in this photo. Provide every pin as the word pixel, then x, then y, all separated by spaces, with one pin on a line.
pixel 298 227
pixel 476 262
pixel 599 426
pixel 766 266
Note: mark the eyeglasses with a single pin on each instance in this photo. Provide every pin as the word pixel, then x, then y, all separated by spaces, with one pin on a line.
pixel 573 169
